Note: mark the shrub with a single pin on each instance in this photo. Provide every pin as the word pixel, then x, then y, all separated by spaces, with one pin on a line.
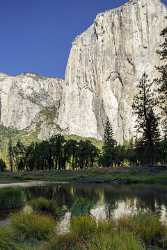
pixel 145 225
pixel 42 205
pixel 32 226
pixel 83 226
pixel 12 198
pixel 6 241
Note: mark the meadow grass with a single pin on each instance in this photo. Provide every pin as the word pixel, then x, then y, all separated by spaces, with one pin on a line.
pixel 130 175
pixel 86 234
pixel 83 227
pixel 63 242
pixel 115 241
pixel 38 232
pixel 32 227
pixel 6 240
pixel 146 226
pixel 105 226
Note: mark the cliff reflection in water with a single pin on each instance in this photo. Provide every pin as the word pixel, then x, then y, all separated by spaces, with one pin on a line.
pixel 103 201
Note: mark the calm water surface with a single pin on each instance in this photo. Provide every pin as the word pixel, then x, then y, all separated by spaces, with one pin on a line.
pixel 103 201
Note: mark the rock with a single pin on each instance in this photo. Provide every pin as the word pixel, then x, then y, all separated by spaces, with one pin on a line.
pixel 105 64
pixel 29 101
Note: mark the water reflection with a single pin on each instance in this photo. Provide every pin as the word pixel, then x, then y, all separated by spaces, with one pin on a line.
pixel 101 201
pixel 64 224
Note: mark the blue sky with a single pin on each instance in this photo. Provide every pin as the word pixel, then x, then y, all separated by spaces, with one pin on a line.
pixel 36 35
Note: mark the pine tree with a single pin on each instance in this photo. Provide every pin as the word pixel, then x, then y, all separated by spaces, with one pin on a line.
pixel 147 120
pixel 108 135
pixel 108 155
pixel 162 81
pixel 11 155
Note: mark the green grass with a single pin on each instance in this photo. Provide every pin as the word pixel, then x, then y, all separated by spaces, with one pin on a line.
pixel 6 240
pixel 32 227
pixel 118 176
pixel 110 241
pixel 115 241
pixel 105 226
pixel 86 234
pixel 63 242
pixel 37 232
pixel 146 226
pixel 83 227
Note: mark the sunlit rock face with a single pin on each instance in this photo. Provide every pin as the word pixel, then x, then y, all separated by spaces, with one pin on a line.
pixel 30 101
pixel 104 66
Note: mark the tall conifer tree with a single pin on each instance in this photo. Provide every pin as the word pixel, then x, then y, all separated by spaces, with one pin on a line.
pixel 108 155
pixel 147 120
pixel 162 80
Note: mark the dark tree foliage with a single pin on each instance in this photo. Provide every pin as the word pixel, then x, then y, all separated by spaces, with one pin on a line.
pixel 124 153
pixel 11 155
pixel 86 154
pixel 162 80
pixel 71 149
pixel 2 166
pixel 19 155
pixel 147 121
pixel 163 152
pixel 108 155
pixel 56 153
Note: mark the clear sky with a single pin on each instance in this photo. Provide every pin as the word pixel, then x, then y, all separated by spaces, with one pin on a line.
pixel 36 35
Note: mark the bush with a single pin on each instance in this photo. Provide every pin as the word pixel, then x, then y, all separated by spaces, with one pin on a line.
pixel 33 227
pixel 11 198
pixel 42 205
pixel 6 241
pixel 145 225
pixel 83 226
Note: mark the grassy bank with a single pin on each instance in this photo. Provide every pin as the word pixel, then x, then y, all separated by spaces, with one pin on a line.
pixel 152 175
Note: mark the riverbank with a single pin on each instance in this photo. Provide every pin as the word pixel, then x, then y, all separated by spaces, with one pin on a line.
pixel 147 175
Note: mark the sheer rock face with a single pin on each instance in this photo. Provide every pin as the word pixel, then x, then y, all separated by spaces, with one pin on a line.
pixel 29 101
pixel 104 66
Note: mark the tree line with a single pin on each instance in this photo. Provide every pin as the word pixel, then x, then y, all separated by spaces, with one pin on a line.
pixel 55 153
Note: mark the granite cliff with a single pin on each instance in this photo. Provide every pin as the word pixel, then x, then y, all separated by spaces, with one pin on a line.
pixel 104 66
pixel 30 102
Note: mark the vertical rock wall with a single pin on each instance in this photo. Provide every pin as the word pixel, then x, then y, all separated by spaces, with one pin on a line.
pixel 104 66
